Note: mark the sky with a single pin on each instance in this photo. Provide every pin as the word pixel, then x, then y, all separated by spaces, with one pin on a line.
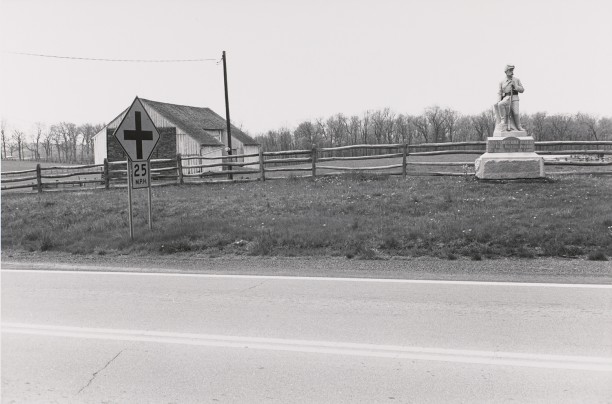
pixel 290 61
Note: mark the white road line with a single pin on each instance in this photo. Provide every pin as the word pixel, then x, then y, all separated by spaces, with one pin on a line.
pixel 314 278
pixel 321 347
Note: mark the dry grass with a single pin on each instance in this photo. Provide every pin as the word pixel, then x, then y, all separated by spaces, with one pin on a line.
pixel 357 216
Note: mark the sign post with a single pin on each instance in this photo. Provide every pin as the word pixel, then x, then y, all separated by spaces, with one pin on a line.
pixel 138 137
pixel 130 216
pixel 141 178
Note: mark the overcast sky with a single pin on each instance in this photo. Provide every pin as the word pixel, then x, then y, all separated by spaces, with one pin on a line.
pixel 290 61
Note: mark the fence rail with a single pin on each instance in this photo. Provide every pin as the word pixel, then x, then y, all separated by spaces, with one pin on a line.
pixel 311 163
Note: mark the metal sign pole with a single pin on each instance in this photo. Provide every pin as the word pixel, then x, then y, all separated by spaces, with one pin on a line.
pixel 129 179
pixel 149 191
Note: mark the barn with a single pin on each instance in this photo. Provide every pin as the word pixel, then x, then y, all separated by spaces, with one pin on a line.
pixel 190 131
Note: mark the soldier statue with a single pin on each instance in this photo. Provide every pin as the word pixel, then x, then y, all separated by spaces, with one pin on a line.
pixel 507 106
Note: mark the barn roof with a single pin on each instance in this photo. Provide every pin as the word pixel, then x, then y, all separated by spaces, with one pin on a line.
pixel 194 121
pixel 197 121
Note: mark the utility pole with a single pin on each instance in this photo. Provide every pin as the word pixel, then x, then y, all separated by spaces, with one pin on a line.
pixel 227 116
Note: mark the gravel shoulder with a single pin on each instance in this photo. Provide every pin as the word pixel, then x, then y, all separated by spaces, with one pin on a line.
pixel 503 270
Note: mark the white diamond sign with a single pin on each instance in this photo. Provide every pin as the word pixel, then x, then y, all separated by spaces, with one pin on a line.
pixel 136 133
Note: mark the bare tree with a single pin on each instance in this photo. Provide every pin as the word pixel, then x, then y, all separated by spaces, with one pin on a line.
pixel 435 117
pixel 537 123
pixel 47 144
pixel 19 138
pixel 305 135
pixel 2 130
pixel 405 129
pixel 322 133
pixel 337 129
pixel 378 123
pixel 71 134
pixel 353 129
pixel 421 125
pixel 484 124
pixel 561 125
pixel 606 128
pixel 383 122
pixel 56 138
pixel 449 121
pixel 34 147
pixel 591 124
pixel 285 139
pixel 463 129
pixel 365 125
pixel 87 132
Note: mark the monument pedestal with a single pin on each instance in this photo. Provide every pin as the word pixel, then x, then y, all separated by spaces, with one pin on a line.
pixel 510 155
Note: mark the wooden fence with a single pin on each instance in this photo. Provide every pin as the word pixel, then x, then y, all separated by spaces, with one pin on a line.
pixel 400 159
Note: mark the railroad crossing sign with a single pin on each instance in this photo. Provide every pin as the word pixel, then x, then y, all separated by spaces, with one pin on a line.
pixel 136 133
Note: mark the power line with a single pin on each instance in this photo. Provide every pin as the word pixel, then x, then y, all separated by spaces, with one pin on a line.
pixel 116 60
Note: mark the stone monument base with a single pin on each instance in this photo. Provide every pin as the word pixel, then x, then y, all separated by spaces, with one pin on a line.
pixel 510 157
pixel 501 166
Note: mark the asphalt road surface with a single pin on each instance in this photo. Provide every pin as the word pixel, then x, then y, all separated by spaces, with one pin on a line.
pixel 93 337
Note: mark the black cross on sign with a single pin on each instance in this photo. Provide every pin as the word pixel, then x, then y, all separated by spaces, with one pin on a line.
pixel 138 135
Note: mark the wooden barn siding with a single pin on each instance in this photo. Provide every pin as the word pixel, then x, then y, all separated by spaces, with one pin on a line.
pixel 115 122
pixel 250 149
pixel 100 147
pixel 188 147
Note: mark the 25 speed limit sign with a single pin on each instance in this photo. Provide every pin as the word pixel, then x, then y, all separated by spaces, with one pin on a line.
pixel 141 177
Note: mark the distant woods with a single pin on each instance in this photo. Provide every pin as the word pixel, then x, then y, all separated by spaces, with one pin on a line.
pixel 67 142
pixel 64 142
pixel 434 125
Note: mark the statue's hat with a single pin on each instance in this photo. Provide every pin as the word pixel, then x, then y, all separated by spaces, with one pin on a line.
pixel 509 67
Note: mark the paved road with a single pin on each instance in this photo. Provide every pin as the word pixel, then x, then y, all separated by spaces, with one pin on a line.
pixel 113 337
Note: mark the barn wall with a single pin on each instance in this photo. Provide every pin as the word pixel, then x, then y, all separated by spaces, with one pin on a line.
pixel 250 149
pixel 114 151
pixel 100 147
pixel 186 145
pixel 211 151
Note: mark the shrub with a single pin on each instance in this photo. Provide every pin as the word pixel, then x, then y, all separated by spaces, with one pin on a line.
pixel 174 247
pixel 46 243
pixel 390 242
pixel 476 257
pixel 262 245
pixel 598 255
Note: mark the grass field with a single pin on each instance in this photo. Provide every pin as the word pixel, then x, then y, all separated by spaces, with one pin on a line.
pixel 356 216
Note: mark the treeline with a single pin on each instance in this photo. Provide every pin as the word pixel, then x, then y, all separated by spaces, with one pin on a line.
pixel 64 142
pixel 434 125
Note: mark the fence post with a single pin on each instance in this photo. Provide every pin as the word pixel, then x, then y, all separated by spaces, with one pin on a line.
pixel 314 161
pixel 179 168
pixel 38 178
pixel 262 169
pixel 106 175
pixel 404 156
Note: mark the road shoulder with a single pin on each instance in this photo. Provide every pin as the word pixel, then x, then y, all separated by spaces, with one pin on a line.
pixel 499 270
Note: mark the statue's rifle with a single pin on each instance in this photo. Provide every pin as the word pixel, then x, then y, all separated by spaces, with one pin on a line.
pixel 509 106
